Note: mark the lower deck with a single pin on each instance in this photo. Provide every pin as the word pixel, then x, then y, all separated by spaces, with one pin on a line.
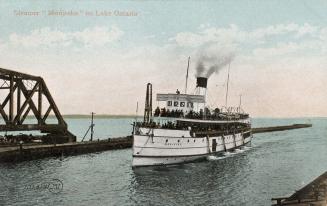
pixel 163 146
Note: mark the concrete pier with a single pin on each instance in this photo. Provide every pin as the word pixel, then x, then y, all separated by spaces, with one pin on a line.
pixel 29 152
pixel 37 151
pixel 280 128
pixel 314 193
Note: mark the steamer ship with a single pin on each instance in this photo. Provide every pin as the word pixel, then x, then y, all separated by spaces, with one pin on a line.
pixel 183 129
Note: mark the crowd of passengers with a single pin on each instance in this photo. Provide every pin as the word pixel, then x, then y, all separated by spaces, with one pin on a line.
pixel 166 125
pixel 195 127
pixel 206 114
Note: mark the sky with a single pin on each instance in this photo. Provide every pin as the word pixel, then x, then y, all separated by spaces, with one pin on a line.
pixel 99 55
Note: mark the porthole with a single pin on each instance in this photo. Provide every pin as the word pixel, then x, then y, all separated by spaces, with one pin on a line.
pixel 166 140
pixel 188 140
pixel 177 140
pixel 194 140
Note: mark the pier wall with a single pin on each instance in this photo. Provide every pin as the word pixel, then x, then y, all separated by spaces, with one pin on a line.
pixel 314 193
pixel 29 152
pixel 280 128
pixel 32 151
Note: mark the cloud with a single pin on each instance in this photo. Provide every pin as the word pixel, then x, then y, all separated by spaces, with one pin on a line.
pixel 98 36
pixel 286 49
pixel 226 35
pixel 278 69
pixel 3 44
pixel 282 29
pixel 234 34
pixel 95 36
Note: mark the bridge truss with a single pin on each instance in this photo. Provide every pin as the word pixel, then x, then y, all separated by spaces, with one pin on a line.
pixel 26 105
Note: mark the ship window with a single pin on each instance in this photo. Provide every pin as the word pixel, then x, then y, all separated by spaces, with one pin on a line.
pixel 194 140
pixel 190 104
pixel 182 104
pixel 188 140
pixel 169 103
pixel 178 141
pixel 176 104
pixel 166 140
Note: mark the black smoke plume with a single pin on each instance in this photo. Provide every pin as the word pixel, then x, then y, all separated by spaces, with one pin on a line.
pixel 212 61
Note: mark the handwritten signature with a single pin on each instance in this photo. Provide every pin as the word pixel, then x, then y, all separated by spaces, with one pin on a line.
pixel 52 185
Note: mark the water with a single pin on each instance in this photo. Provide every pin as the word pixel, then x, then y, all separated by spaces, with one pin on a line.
pixel 275 165
pixel 104 127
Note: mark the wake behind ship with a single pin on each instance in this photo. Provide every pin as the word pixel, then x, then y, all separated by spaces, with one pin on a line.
pixel 183 129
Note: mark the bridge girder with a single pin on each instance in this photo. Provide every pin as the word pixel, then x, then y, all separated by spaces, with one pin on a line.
pixel 27 93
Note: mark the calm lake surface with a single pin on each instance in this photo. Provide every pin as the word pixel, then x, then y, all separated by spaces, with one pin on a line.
pixel 275 165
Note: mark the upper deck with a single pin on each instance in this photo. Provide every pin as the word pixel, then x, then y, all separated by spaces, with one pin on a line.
pixel 192 108
pixel 178 111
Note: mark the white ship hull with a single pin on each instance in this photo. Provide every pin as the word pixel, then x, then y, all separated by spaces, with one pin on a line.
pixel 152 161
pixel 168 146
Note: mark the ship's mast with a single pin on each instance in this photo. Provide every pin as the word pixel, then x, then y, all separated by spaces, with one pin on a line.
pixel 188 65
pixel 137 111
pixel 239 106
pixel 227 86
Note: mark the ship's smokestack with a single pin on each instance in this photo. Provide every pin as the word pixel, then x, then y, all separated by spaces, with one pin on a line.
pixel 201 82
